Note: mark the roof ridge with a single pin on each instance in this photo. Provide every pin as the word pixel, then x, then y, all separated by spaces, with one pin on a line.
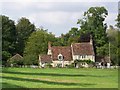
pixel 61 46
pixel 82 43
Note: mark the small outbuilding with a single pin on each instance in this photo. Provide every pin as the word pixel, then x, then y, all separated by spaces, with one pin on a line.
pixel 103 62
pixel 15 60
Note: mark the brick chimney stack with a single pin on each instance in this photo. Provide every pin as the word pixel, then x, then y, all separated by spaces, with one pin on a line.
pixel 91 41
pixel 49 49
pixel 49 45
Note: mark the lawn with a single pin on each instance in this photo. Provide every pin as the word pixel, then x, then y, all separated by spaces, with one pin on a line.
pixel 59 78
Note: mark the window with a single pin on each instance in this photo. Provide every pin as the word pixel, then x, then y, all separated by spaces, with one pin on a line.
pixel 59 65
pixel 83 56
pixel 60 57
pixel 79 57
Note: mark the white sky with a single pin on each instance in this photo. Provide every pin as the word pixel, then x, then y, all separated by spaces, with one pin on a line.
pixel 58 16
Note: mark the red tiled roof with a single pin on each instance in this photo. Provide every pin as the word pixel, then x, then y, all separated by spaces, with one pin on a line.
pixel 82 49
pixel 64 50
pixel 46 58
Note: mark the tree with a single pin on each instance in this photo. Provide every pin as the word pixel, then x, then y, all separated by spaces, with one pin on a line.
pixel 70 37
pixel 37 44
pixel 8 38
pixel 113 40
pixel 5 56
pixel 73 35
pixel 118 21
pixel 118 26
pixel 84 37
pixel 93 23
pixel 24 29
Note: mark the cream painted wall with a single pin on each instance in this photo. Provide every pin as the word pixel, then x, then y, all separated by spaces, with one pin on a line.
pixel 54 64
pixel 49 52
pixel 87 57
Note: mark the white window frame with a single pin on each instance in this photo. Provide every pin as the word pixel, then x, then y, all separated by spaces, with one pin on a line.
pixel 60 55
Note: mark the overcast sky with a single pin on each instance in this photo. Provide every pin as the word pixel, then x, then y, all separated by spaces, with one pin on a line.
pixel 58 17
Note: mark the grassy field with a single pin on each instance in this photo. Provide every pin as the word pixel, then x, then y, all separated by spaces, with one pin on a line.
pixel 59 78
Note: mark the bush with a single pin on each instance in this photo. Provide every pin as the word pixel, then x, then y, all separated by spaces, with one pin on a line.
pixel 5 56
pixel 87 61
pixel 79 62
pixel 30 59
pixel 15 63
pixel 49 65
pixel 71 65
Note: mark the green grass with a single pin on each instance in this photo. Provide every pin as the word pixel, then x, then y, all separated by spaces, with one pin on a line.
pixel 59 78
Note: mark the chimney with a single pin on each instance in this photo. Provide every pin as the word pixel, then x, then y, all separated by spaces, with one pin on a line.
pixel 49 49
pixel 91 41
pixel 49 45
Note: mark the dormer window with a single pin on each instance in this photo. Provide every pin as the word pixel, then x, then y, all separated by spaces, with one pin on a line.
pixel 60 57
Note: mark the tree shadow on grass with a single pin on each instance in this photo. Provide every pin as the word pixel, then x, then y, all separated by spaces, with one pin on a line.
pixel 48 82
pixel 54 74
pixel 8 85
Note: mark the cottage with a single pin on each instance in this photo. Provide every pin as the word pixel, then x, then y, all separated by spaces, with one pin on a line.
pixel 61 56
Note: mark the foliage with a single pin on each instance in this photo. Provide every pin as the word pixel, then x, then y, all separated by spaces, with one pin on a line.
pixel 114 44
pixel 8 38
pixel 84 37
pixel 70 37
pixel 118 25
pixel 71 65
pixel 5 56
pixel 24 29
pixel 103 50
pixel 118 49
pixel 80 61
pixel 49 65
pixel 93 23
pixel 37 44
pixel 30 59
pixel 118 21
pixel 73 35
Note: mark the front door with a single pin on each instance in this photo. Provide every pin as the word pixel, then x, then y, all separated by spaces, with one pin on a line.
pixel 59 65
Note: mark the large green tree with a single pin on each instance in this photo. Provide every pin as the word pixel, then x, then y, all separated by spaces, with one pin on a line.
pixel 118 21
pixel 118 47
pixel 37 44
pixel 24 29
pixel 113 44
pixel 8 38
pixel 70 37
pixel 118 26
pixel 93 23
pixel 73 35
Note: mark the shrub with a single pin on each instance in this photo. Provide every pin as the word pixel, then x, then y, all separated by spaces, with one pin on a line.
pixel 49 65
pixel 79 62
pixel 87 61
pixel 71 65
pixel 15 63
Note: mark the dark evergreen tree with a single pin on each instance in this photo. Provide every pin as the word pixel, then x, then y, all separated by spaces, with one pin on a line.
pixel 8 38
pixel 24 29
